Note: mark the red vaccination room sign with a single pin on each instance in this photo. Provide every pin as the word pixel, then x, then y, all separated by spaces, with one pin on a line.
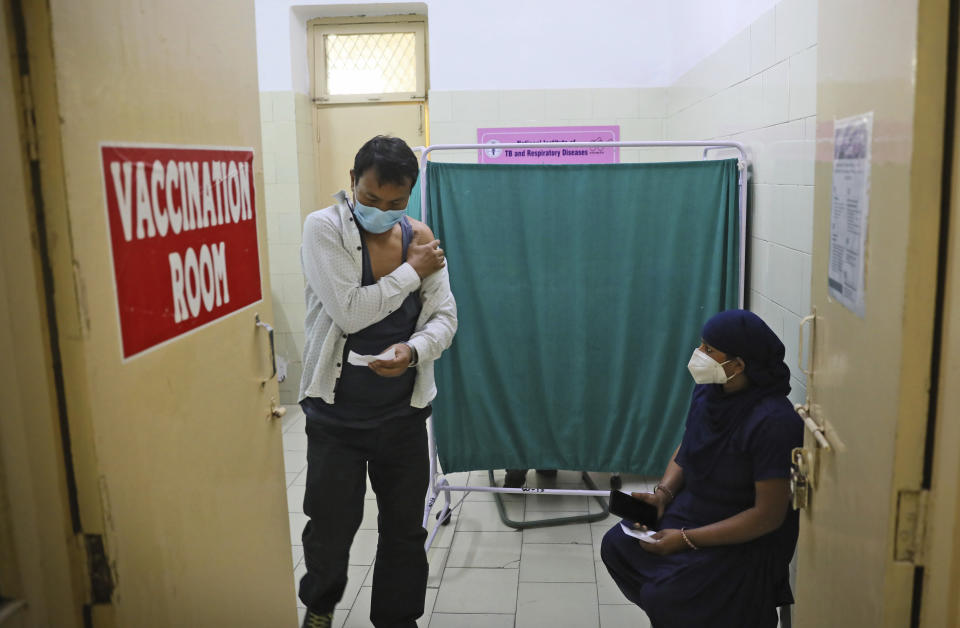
pixel 183 237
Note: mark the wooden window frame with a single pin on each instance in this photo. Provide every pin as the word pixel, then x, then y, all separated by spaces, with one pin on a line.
pixel 318 28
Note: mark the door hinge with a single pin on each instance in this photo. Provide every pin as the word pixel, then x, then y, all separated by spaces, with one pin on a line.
pixel 911 526
pixel 29 119
pixel 98 567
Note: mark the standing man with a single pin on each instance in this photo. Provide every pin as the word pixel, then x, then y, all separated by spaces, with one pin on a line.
pixel 376 282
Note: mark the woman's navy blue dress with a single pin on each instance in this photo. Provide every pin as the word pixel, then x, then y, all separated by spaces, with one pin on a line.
pixel 725 586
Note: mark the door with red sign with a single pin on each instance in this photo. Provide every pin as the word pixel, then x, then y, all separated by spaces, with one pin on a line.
pixel 147 174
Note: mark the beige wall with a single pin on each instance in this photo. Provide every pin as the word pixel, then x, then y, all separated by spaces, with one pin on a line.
pixel 760 89
pixel 288 173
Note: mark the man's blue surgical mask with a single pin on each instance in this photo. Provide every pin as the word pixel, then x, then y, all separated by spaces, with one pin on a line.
pixel 374 220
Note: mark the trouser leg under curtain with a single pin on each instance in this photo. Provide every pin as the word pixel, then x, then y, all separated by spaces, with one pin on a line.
pixel 399 473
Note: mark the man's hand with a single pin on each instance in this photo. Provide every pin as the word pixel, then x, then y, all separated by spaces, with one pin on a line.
pixel 426 259
pixel 396 366
pixel 670 541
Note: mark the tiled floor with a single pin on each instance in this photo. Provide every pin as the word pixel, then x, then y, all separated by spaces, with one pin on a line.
pixel 483 573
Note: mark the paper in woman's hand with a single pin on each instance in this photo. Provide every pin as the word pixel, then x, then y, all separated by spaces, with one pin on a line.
pixel 363 360
pixel 644 535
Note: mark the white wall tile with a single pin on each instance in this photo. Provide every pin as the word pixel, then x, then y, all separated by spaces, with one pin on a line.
pixel 306 141
pixel 729 111
pixel 681 95
pixel 308 196
pixel 296 312
pixel 452 133
pixel 289 228
pixel 298 339
pixel 733 60
pixel 284 108
pixel 791 341
pixel 763 42
pixel 288 166
pixel 771 313
pixel 268 137
pixel 786 277
pixel 796 26
pixel 285 258
pixel 282 197
pixel 522 107
pixel 628 103
pixel 266 106
pixel 291 285
pixel 291 385
pixel 810 128
pixel 269 167
pixel 440 105
pixel 640 130
pixel 803 84
pixel 569 104
pixel 776 93
pixel 286 135
pixel 759 265
pixel 764 196
pixel 751 142
pixel 273 226
pixel 652 102
pixel 794 217
pixel 807 268
pixel 750 102
pixel 788 153
pixel 303 107
pixel 283 343
pixel 475 105
pixel 305 169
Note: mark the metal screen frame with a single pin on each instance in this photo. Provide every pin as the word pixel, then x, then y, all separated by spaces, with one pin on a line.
pixel 439 484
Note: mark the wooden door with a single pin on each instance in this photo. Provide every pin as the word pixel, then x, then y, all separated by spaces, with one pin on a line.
pixel 861 542
pixel 173 443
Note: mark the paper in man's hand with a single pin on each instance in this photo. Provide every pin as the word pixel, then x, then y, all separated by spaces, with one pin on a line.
pixel 363 360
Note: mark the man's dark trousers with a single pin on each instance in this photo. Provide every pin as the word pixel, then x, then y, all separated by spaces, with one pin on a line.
pixel 396 456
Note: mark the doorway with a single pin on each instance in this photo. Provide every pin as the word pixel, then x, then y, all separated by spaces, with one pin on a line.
pixel 369 77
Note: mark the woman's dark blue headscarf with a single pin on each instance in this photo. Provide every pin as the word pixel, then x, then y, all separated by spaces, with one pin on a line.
pixel 739 334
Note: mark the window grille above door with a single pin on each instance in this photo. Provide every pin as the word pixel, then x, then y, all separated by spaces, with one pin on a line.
pixel 368 62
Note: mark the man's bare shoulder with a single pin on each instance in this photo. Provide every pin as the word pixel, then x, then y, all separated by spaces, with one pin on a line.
pixel 422 234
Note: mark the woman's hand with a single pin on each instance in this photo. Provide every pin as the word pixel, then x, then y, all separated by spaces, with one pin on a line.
pixel 656 499
pixel 669 541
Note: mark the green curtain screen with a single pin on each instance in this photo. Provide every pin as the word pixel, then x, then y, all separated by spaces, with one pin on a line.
pixel 581 292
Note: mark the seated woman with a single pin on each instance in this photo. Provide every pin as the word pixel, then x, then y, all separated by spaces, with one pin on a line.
pixel 726 531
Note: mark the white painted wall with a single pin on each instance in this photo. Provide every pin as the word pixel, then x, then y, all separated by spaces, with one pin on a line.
pixel 524 44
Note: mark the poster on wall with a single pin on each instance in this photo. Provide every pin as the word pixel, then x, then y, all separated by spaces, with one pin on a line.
pixel 549 155
pixel 183 237
pixel 849 210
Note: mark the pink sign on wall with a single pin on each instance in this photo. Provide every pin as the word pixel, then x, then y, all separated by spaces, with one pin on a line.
pixel 549 155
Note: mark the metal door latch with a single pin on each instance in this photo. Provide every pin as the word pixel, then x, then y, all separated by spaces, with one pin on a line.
pixel 800 485
pixel 276 412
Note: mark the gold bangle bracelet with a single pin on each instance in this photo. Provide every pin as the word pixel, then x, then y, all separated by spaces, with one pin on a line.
pixel 686 539
pixel 661 487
